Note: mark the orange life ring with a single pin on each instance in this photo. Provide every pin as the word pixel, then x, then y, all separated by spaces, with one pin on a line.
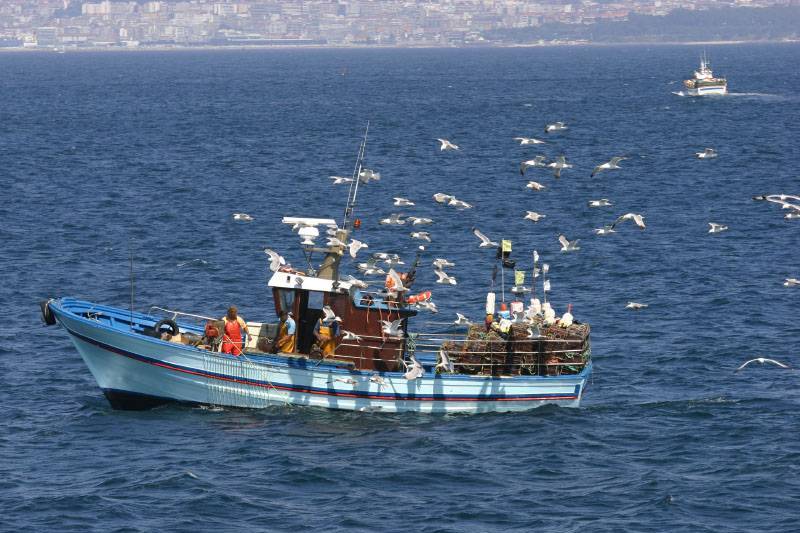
pixel 424 296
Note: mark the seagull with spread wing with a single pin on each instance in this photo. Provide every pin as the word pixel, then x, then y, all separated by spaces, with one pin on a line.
pixel 276 260
pixel 763 360
pixel 485 242
pixel 609 165
pixel 446 145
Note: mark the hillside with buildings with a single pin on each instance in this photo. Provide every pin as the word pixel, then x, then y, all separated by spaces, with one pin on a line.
pixel 71 24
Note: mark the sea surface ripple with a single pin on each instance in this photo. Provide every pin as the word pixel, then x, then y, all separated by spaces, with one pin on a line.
pixel 107 154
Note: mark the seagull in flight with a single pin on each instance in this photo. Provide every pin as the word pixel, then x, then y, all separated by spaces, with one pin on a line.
pixel 366 175
pixel 791 282
pixel 338 180
pixel 402 202
pixel 446 145
pixel 567 245
pixel 528 140
pixel 419 221
pixel 635 306
pixel 329 315
pixel 763 360
pixel 637 219
pixel 716 228
pixel 421 235
pixel 485 242
pixel 414 370
pixel 440 263
pixel 459 204
pixel 535 186
pixel 444 362
pixel 533 215
pixel 602 202
pixel 275 259
pixel 393 220
pixel 242 217
pixel 393 328
pixel 355 282
pixel 461 320
pixel 354 246
pixel 609 165
pixel 443 278
pixel 350 336
pixel 558 165
pixel 555 127
pixel 708 153
pixel 397 283
pixel 538 161
pixel 605 230
pixel 442 198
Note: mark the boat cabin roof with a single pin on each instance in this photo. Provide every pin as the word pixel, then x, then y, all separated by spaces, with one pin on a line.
pixel 289 279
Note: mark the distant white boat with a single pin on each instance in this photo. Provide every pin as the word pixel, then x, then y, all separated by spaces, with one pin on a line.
pixel 704 83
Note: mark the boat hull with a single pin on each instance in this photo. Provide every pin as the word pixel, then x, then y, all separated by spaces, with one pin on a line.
pixel 139 372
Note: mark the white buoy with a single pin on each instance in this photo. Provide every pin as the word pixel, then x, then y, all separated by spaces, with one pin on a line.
pixel 490 301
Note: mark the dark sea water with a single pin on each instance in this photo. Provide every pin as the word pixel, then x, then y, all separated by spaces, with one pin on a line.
pixel 101 154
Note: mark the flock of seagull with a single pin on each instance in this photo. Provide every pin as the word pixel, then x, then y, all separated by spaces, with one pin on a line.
pixel 557 167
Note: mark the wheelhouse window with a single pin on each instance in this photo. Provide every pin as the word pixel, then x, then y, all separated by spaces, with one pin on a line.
pixel 286 298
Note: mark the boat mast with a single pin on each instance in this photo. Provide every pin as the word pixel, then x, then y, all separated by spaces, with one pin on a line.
pixel 329 269
pixel 347 222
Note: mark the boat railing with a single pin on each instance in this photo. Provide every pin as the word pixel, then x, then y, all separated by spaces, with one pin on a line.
pixel 175 314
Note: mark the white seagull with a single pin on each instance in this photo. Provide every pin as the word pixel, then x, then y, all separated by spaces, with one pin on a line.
pixel 635 306
pixel 419 221
pixel 440 263
pixel 609 165
pixel 354 246
pixel 708 153
pixel 443 278
pixel 459 204
pixel 636 217
pixel 350 336
pixel 602 202
pixel 414 370
pixel 791 282
pixel 605 230
pixel 528 140
pixel 716 228
pixel 442 198
pixel 444 362
pixel 538 161
pixel 329 315
pixel 403 202
pixel 555 126
pixel 421 235
pixel 366 175
pixel 567 245
pixel 275 259
pixel 558 165
pixel 338 180
pixel 485 242
pixel 763 360
pixel 533 215
pixel 461 320
pixel 393 328
pixel 242 217
pixel 446 145
pixel 535 186
pixel 355 282
pixel 393 220
pixel 397 285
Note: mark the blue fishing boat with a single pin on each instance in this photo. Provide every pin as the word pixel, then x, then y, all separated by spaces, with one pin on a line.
pixel 510 363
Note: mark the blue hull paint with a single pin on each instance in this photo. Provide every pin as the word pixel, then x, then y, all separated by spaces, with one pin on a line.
pixel 136 371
